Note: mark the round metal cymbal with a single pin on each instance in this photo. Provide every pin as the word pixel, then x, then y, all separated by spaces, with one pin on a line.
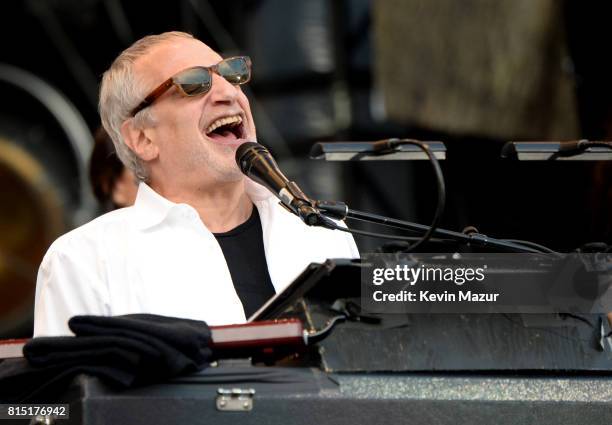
pixel 31 217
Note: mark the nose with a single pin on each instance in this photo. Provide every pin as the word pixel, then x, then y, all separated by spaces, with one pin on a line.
pixel 222 91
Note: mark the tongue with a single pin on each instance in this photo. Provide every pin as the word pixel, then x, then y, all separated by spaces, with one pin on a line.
pixel 223 136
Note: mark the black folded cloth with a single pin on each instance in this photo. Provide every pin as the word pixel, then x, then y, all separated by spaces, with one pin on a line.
pixel 125 350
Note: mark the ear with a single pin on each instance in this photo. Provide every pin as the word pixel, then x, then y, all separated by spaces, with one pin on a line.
pixel 136 139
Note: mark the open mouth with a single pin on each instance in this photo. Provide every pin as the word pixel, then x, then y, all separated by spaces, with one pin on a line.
pixel 226 129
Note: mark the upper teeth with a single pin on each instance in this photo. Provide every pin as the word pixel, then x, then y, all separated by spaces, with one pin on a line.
pixel 236 119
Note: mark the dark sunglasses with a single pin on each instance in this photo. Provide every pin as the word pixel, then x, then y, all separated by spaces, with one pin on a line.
pixel 198 80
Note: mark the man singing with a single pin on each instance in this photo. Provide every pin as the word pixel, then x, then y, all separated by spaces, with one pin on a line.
pixel 201 241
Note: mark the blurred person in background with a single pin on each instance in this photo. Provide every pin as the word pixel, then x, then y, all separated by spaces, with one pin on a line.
pixel 113 185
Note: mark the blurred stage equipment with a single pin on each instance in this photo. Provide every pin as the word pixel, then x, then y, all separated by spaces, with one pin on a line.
pixel 43 186
pixel 496 69
pixel 579 150
pixel 296 82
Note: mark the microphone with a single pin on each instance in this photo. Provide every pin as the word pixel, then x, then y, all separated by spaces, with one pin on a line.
pixel 257 163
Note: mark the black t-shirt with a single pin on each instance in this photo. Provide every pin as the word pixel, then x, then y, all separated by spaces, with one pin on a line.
pixel 243 250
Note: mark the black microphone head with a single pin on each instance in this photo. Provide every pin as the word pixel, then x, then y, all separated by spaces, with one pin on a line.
pixel 245 152
pixel 256 162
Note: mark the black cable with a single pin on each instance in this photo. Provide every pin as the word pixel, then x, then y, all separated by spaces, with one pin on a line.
pixel 393 144
pixel 331 225
pixel 390 145
pixel 568 149
pixel 588 144
pixel 394 226
pixel 533 245
pixel 579 146
pixel 547 330
pixel 565 316
pixel 454 237
pixel 323 333
pixel 399 246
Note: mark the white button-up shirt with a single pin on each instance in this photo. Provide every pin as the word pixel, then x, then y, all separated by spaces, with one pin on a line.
pixel 159 257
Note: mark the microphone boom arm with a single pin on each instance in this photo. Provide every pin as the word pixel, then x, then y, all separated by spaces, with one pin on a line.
pixel 339 210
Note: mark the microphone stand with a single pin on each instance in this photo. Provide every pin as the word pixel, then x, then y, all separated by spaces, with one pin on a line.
pixel 341 211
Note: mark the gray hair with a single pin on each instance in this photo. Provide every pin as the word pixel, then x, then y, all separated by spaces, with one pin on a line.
pixel 121 92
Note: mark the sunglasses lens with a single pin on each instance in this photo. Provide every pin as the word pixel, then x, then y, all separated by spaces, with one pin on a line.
pixel 198 80
pixel 235 70
pixel 194 81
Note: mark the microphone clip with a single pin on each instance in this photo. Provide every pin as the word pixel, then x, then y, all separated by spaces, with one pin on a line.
pixel 296 202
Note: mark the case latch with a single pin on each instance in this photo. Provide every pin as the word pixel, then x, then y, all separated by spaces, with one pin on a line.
pixel 235 399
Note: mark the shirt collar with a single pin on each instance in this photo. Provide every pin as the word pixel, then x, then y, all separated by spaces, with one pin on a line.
pixel 151 208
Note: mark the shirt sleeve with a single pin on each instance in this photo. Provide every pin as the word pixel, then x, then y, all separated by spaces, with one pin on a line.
pixel 69 283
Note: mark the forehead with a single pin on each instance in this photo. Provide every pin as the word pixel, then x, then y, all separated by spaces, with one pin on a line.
pixel 172 56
